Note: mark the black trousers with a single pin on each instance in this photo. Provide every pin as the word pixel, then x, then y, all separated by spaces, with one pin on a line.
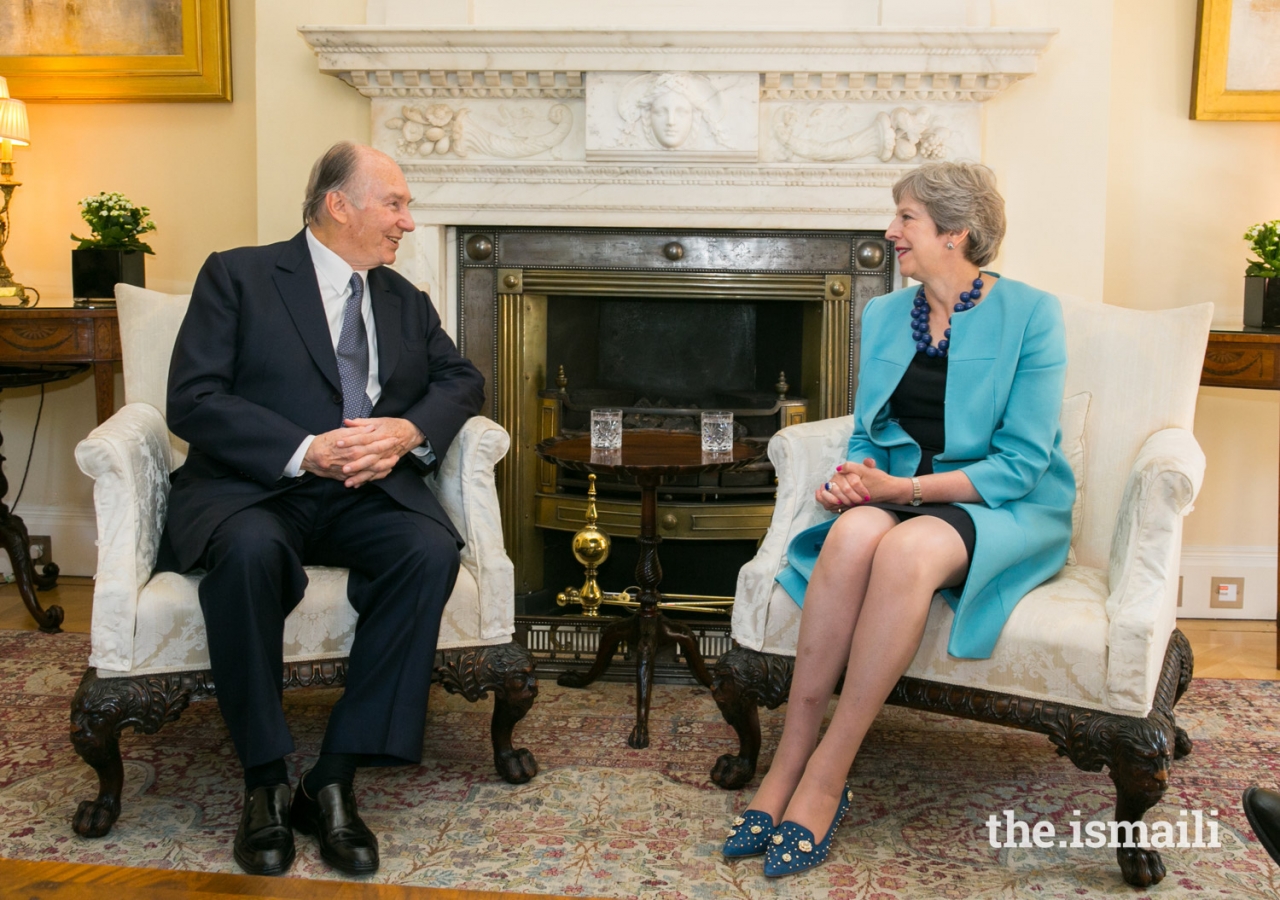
pixel 403 566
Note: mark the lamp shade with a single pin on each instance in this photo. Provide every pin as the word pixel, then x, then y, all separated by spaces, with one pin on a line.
pixel 13 121
pixel 4 89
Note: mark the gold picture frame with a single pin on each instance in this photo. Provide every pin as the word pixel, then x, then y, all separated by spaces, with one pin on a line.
pixel 201 71
pixel 1210 98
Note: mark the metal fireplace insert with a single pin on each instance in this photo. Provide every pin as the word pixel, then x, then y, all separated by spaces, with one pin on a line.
pixel 664 324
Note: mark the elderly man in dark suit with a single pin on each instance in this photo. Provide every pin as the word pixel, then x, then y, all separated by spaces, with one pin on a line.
pixel 316 387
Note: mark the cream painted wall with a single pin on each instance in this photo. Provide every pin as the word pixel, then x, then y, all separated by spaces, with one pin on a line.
pixel 300 112
pixel 1180 195
pixel 194 165
pixel 1046 139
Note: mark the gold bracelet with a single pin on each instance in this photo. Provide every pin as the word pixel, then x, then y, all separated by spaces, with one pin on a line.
pixel 916 496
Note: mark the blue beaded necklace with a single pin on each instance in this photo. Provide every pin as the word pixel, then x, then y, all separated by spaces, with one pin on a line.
pixel 920 320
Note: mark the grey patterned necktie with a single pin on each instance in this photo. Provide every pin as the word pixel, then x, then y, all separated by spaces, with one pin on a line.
pixel 353 356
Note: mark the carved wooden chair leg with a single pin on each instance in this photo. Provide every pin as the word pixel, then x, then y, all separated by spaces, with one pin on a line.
pixel 100 710
pixel 507 671
pixel 1139 767
pixel 743 680
pixel 1179 645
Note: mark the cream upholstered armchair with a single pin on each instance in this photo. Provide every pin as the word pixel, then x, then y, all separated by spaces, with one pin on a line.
pixel 1091 658
pixel 149 655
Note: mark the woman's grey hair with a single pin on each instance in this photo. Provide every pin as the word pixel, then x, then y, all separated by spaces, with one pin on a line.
pixel 958 196
pixel 335 171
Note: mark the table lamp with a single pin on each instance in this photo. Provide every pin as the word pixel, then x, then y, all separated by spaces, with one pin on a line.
pixel 13 130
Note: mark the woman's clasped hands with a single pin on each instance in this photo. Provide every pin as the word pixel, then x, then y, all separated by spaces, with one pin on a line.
pixel 854 484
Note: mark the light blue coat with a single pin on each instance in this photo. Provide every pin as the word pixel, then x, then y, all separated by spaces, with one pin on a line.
pixel 1006 371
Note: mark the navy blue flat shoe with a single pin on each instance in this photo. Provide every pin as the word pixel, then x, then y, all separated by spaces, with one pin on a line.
pixel 750 835
pixel 793 848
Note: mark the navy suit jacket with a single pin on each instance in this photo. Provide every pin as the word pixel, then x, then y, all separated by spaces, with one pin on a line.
pixel 254 372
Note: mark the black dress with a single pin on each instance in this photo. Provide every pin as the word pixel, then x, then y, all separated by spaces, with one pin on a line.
pixel 918 403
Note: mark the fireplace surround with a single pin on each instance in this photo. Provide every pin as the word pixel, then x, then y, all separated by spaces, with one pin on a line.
pixel 668 135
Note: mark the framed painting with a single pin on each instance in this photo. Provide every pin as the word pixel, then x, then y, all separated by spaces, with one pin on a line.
pixel 1237 65
pixel 116 50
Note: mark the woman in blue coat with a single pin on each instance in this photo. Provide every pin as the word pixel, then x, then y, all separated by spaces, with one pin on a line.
pixel 955 482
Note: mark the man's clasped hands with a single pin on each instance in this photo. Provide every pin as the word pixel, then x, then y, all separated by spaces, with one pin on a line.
pixel 362 450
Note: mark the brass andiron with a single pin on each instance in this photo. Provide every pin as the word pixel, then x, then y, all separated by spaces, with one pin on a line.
pixel 591 548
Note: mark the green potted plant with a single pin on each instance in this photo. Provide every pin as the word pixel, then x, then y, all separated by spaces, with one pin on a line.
pixel 1262 278
pixel 113 252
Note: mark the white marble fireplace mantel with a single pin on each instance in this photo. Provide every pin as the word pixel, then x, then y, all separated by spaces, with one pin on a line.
pixel 380 51
pixel 749 128
pixel 667 128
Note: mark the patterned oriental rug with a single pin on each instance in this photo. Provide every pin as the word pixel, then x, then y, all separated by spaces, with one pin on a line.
pixel 602 820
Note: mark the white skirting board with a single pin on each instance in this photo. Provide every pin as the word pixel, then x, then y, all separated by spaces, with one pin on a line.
pixel 1255 564
pixel 73 533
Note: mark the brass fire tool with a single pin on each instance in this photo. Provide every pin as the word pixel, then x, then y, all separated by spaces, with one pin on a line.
pixel 591 549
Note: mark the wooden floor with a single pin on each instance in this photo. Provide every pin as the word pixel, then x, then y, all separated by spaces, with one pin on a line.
pixel 74 595
pixel 73 881
pixel 1223 649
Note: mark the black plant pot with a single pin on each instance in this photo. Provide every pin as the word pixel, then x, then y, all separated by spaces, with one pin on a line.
pixel 1262 301
pixel 95 272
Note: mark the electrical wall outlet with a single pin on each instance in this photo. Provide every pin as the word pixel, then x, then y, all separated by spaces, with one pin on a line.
pixel 41 550
pixel 1226 593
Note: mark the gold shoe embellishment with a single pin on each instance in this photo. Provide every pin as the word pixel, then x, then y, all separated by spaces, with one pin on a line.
pixel 849 796
pixel 786 857
pixel 739 821
pixel 756 829
pixel 805 846
pixel 777 839
pixel 733 833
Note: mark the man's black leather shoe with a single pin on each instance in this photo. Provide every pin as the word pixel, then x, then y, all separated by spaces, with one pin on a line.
pixel 346 843
pixel 264 841
pixel 1263 809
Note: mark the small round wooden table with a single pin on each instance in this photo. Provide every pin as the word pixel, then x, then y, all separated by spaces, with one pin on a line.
pixel 648 456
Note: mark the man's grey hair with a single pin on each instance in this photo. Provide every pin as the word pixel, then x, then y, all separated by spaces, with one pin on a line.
pixel 337 170
pixel 958 196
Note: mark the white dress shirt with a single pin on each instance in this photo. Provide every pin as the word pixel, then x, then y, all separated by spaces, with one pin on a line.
pixel 333 275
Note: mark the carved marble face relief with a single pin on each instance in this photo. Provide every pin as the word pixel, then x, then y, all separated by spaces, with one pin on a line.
pixel 672 115
pixel 671 118
pixel 664 106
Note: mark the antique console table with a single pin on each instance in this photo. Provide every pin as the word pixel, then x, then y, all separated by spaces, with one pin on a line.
pixel 1245 358
pixel 39 345
pixel 648 456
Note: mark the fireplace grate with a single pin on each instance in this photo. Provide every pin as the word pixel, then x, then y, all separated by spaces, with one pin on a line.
pixel 569 643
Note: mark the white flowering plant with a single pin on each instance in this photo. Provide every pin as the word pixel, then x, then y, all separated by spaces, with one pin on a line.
pixel 116 223
pixel 1265 240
